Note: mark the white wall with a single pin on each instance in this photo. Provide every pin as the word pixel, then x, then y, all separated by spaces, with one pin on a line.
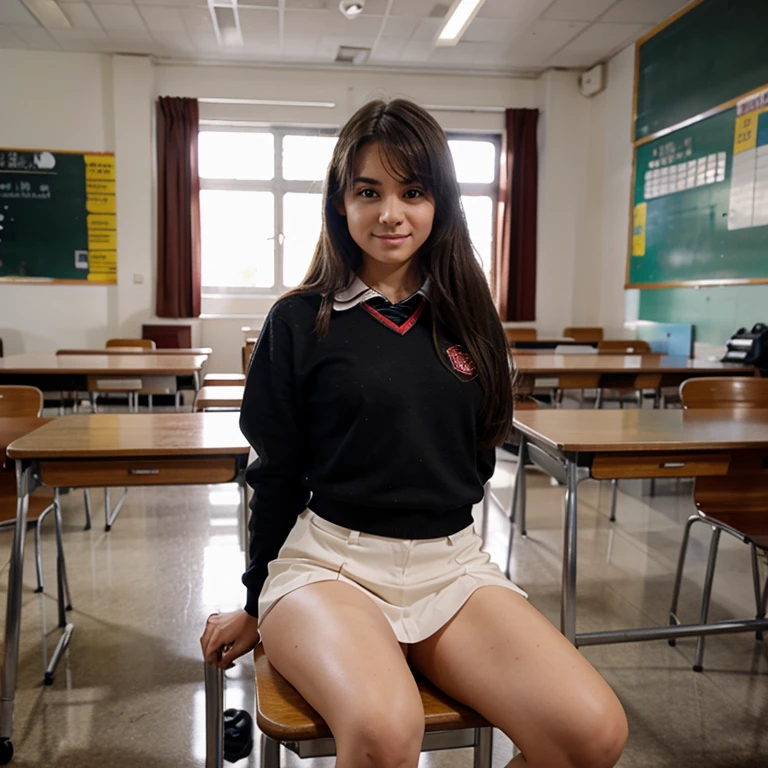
pixel 617 106
pixel 106 103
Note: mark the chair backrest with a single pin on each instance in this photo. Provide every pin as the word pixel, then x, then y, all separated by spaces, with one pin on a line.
pixel 584 334
pixel 140 343
pixel 725 392
pixel 630 347
pixel 520 334
pixel 20 401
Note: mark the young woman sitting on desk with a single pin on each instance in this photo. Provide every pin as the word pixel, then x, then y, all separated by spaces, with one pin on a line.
pixel 374 400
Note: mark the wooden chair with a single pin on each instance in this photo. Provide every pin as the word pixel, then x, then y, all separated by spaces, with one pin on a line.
pixel 735 503
pixel 26 401
pixel 584 334
pixel 520 334
pixel 286 719
pixel 140 343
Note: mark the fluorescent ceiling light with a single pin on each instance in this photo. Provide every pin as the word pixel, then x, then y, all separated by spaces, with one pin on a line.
pixel 48 14
pixel 456 22
pixel 226 22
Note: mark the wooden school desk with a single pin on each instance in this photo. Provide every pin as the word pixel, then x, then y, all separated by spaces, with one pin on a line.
pixel 136 351
pixel 159 373
pixel 549 342
pixel 101 450
pixel 573 445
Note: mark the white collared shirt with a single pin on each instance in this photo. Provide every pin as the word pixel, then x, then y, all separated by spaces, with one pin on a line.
pixel 358 292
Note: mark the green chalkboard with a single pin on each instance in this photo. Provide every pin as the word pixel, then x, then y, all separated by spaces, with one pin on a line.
pixel 57 217
pixel 695 221
pixel 711 54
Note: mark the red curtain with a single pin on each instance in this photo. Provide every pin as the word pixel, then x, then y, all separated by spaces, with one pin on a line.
pixel 178 215
pixel 515 261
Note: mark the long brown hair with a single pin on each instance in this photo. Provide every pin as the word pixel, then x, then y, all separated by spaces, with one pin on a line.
pixel 415 148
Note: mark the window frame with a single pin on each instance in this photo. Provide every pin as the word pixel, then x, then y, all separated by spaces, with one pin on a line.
pixel 279 186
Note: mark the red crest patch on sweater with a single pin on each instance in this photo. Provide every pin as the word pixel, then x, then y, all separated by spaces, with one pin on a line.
pixel 461 360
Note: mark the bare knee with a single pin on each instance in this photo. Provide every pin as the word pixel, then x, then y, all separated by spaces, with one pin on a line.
pixel 601 739
pixel 388 739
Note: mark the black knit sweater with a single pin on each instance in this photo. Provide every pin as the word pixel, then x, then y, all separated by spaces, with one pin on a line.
pixel 370 428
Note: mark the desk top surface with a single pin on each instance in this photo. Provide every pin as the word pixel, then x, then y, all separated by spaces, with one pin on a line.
pixel 14 427
pixel 132 435
pixel 153 364
pixel 619 431
pixel 136 351
pixel 606 363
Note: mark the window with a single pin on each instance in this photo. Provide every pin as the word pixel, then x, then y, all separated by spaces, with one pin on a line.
pixel 261 199
pixel 476 159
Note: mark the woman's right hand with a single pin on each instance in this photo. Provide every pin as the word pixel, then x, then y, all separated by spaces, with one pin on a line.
pixel 234 633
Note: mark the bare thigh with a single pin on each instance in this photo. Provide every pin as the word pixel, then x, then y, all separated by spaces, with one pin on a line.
pixel 501 657
pixel 333 644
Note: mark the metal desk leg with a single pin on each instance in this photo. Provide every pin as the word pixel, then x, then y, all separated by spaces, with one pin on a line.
pixel 568 595
pixel 24 483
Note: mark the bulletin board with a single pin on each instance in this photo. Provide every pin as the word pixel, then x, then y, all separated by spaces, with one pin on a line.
pixel 58 217
pixel 699 208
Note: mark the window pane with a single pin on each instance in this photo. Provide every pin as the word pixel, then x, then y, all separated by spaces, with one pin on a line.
pixel 475 161
pixel 237 232
pixel 306 158
pixel 236 155
pixel 302 220
pixel 479 212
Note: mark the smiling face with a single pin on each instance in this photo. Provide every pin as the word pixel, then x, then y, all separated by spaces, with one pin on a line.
pixel 388 218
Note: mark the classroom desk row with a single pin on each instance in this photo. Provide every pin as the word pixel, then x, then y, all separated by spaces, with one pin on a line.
pixel 103 450
pixel 147 372
pixel 199 448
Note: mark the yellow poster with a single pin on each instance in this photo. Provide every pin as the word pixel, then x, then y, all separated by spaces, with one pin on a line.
pixel 99 167
pixel 638 229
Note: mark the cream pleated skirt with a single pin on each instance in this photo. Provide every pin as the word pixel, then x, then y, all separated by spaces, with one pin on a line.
pixel 419 584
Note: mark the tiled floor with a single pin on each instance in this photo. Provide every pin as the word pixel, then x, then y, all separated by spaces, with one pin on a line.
pixel 130 693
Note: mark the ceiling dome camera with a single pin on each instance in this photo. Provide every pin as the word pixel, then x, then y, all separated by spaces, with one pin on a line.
pixel 351 8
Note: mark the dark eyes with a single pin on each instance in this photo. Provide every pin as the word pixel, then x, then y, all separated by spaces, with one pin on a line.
pixel 411 194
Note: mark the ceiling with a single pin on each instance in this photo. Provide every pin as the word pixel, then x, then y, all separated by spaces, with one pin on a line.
pixel 506 36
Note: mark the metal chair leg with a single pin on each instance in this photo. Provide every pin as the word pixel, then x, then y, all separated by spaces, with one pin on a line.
pixel 483 752
pixel 87 500
pixel 679 574
pixel 38 547
pixel 270 752
pixel 614 495
pixel 599 398
pixel 518 502
pixel 60 550
pixel 697 667
pixel 758 594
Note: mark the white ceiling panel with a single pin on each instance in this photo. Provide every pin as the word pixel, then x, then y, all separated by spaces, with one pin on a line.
pixel 577 10
pixel 426 30
pixel 162 20
pixel 507 36
pixel 118 18
pixel 401 27
pixel 493 30
pixel 15 12
pixel 601 37
pixel 171 3
pixel 512 9
pixel 643 11
pixel 329 24
pixel 543 38
pixel 36 38
pixel 259 24
pixel 388 49
pixel 420 8
pixel 9 39
pixel 80 16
